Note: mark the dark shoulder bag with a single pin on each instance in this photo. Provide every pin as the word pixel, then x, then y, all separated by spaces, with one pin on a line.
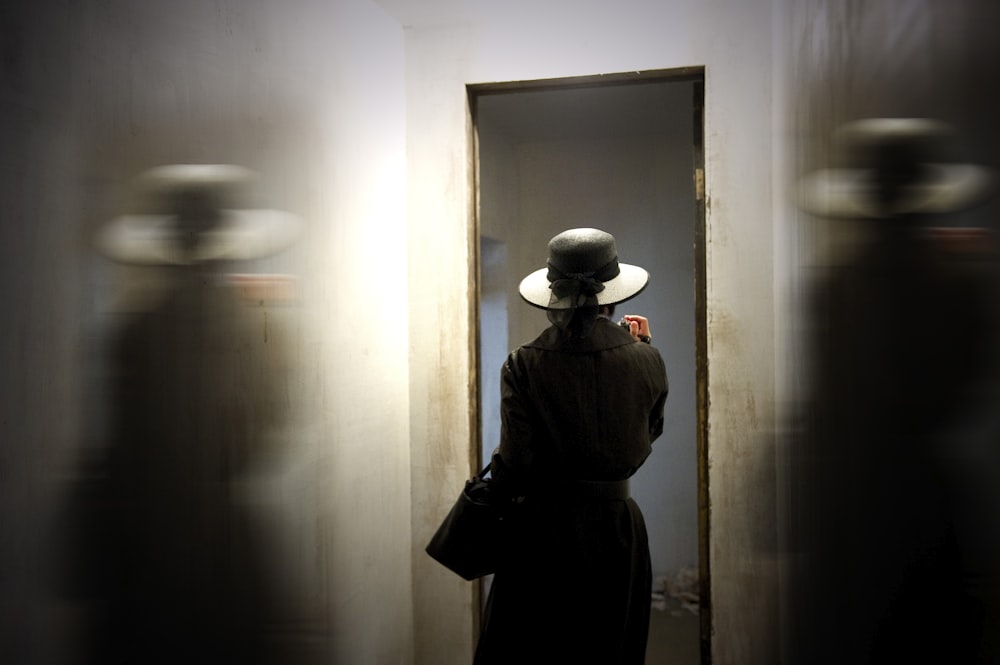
pixel 470 539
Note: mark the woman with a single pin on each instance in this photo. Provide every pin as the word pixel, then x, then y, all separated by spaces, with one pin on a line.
pixel 580 406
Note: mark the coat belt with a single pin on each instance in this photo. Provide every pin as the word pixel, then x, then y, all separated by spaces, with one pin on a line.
pixel 574 490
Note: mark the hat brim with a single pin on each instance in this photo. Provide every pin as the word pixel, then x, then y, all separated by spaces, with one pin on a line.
pixel 630 282
pixel 846 193
pixel 240 235
pixel 181 176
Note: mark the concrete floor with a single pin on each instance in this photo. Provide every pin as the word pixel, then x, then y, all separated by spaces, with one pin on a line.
pixel 673 637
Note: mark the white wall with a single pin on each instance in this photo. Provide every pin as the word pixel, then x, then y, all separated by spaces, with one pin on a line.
pixel 520 41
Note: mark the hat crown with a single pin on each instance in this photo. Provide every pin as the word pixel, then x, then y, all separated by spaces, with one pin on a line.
pixel 895 149
pixel 582 251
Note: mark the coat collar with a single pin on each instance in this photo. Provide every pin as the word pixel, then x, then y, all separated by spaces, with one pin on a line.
pixel 604 335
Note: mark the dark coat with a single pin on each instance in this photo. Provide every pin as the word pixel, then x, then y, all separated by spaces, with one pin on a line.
pixel 575 584
pixel 169 563
pixel 895 460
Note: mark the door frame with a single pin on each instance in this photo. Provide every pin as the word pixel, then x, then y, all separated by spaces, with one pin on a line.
pixel 695 75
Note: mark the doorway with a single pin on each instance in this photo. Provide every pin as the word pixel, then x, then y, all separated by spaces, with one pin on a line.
pixel 622 153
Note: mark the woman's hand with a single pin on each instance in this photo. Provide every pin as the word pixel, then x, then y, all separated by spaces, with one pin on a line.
pixel 638 326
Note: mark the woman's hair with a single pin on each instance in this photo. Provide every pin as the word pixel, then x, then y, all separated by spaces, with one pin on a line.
pixel 578 322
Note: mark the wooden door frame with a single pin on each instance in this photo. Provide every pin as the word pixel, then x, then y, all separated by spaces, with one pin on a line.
pixel 695 75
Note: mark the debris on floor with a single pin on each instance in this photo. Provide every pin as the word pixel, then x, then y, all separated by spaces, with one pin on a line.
pixel 677 593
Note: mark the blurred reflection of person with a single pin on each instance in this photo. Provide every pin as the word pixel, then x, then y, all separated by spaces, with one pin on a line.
pixel 166 556
pixel 580 407
pixel 895 473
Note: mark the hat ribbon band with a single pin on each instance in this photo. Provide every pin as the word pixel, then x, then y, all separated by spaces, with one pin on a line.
pixel 586 284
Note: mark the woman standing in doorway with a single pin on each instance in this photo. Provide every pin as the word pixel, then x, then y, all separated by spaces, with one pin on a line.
pixel 580 407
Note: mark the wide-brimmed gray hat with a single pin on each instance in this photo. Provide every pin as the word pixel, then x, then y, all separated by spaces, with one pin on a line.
pixel 893 167
pixel 234 234
pixel 582 269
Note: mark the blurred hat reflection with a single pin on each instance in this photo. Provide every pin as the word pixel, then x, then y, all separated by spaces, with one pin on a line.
pixel 193 219
pixel 893 167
